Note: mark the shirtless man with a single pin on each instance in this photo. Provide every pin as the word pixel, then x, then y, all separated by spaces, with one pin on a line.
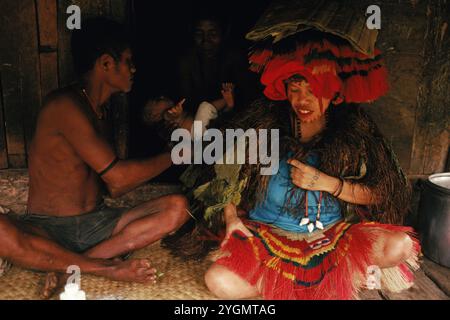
pixel 70 163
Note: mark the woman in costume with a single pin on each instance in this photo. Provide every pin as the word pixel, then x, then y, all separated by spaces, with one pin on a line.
pixel 331 215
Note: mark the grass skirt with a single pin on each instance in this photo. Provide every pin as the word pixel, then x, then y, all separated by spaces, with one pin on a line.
pixel 329 264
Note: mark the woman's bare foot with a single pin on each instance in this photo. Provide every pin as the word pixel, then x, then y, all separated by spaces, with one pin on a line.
pixel 134 270
pixel 228 95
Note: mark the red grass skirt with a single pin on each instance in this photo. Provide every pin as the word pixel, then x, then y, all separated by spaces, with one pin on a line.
pixel 333 265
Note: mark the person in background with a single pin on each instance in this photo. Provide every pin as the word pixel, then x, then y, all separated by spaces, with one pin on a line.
pixel 166 116
pixel 211 62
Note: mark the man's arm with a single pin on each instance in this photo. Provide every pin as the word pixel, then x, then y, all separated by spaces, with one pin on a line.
pixel 95 151
pixel 128 174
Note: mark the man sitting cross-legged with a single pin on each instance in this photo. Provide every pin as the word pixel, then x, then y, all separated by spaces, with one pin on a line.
pixel 31 251
pixel 71 160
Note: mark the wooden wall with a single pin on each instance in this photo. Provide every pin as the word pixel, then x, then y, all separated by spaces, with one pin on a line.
pixel 35 59
pixel 431 131
pixel 413 116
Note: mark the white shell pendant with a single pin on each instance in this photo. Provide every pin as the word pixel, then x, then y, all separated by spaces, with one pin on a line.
pixel 304 221
pixel 319 225
pixel 310 227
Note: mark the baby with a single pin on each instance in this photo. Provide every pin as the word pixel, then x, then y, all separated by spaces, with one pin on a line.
pixel 163 110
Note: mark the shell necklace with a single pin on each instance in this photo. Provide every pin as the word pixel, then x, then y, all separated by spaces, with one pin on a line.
pixel 100 116
pixel 305 220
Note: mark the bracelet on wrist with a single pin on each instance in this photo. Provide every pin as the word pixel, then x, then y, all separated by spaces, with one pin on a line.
pixel 339 189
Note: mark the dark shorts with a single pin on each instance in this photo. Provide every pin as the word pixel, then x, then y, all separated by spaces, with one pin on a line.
pixel 76 233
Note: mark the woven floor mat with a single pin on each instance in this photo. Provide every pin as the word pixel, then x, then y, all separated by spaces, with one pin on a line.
pixel 181 280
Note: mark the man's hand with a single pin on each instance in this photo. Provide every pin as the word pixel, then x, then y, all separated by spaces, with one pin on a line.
pixel 310 178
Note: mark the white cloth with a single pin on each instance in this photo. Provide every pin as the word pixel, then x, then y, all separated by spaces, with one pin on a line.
pixel 205 113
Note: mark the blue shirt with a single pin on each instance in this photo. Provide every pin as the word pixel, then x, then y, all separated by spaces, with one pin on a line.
pixel 272 209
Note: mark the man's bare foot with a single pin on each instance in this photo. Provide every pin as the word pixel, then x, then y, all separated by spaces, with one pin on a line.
pixel 123 257
pixel 134 270
pixel 53 282
pixel 228 94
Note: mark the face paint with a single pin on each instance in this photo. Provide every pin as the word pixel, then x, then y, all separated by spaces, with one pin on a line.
pixel 305 104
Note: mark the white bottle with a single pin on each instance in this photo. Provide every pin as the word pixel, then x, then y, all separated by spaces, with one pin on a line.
pixel 72 292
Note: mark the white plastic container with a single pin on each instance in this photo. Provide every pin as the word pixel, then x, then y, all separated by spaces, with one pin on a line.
pixel 72 292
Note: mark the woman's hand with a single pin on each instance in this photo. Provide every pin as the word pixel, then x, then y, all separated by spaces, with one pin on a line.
pixel 310 178
pixel 233 223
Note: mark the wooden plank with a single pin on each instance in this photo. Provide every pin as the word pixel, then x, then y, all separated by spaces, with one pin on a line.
pixel 3 147
pixel 48 43
pixel 65 65
pixel 10 90
pixel 436 151
pixel 370 295
pixel 431 140
pixel 14 131
pixel 20 75
pixel 439 274
pixel 48 31
pixel 423 289
pixel 49 72
pixel 29 68
pixel 402 45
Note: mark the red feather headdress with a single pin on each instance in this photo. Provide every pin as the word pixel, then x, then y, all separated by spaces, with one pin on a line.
pixel 328 63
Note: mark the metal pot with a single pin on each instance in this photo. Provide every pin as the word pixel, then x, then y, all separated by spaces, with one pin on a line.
pixel 434 218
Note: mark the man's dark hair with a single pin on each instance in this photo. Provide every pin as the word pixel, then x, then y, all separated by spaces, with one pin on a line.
pixel 96 37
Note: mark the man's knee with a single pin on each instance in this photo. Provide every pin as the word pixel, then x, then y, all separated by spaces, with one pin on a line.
pixel 177 201
pixel 11 242
pixel 177 211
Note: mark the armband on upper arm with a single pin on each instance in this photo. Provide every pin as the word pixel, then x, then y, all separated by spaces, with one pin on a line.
pixel 109 167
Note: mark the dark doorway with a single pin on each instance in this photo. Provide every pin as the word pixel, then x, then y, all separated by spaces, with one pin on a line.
pixel 161 32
